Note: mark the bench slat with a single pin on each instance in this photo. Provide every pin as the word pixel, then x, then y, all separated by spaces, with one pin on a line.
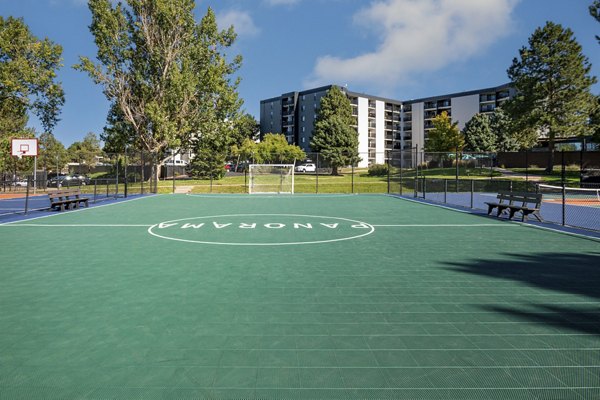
pixel 66 198
pixel 511 200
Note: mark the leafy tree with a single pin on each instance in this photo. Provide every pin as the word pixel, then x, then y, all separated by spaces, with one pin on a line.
pixel 86 151
pixel 478 133
pixel 208 162
pixel 553 81
pixel 244 152
pixel 507 138
pixel 167 77
pixel 334 137
pixel 445 135
pixel 274 148
pixel 595 12
pixel 28 68
pixel 494 132
pixel 595 121
pixel 52 153
pixel 245 127
pixel 27 84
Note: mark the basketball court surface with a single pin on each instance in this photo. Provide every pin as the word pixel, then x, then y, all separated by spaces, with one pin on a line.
pixel 295 297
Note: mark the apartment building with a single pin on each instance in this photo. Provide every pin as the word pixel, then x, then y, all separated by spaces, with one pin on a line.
pixel 418 114
pixel 383 125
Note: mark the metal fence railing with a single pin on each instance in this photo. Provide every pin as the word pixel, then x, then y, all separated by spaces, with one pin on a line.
pixel 461 179
pixel 566 206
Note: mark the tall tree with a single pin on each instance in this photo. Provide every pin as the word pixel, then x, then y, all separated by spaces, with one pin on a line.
pixel 445 135
pixel 553 81
pixel 87 151
pixel 595 12
pixel 334 136
pixel 478 133
pixel 274 148
pixel 52 153
pixel 494 132
pixel 595 121
pixel 28 82
pixel 168 77
pixel 245 127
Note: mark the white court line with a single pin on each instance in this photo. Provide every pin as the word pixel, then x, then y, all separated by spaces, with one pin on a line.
pixel 11 223
pixel 84 225
pixel 441 225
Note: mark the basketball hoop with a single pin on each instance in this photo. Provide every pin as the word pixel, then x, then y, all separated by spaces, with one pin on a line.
pixel 24 148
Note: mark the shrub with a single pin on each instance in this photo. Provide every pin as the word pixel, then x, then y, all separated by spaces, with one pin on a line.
pixel 378 169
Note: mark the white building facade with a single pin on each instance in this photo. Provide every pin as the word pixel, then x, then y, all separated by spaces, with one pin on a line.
pixel 384 126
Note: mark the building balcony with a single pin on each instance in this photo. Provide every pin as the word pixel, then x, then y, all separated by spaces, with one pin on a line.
pixel 487 108
pixel 486 98
pixel 444 104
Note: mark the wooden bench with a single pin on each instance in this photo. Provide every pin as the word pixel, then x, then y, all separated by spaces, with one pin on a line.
pixel 526 203
pixel 66 199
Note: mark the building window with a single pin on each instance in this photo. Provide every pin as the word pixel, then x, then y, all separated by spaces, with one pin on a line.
pixel 303 118
pixel 303 139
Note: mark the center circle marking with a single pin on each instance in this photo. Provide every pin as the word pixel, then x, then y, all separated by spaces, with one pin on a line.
pixel 161 229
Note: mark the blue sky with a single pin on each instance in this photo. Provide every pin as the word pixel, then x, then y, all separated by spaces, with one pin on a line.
pixel 400 49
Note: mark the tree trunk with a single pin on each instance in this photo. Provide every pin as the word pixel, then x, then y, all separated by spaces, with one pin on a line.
pixel 550 165
pixel 334 170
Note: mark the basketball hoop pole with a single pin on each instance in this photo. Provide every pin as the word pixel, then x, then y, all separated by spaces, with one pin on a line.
pixel 34 174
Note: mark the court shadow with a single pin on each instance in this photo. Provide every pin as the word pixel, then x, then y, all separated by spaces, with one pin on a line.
pixel 577 274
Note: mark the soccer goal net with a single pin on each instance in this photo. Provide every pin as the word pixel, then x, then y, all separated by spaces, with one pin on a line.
pixel 271 178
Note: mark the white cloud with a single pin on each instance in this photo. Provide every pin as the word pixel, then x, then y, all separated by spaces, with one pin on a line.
pixel 241 20
pixel 281 2
pixel 415 36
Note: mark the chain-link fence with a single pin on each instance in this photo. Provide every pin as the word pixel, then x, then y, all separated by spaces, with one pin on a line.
pixel 457 178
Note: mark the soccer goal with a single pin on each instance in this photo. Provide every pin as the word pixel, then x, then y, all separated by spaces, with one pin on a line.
pixel 271 178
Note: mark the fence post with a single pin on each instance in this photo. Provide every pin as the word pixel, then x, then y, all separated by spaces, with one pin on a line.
pixel 472 191
pixel 352 178
pixel 564 206
pixel 401 173
pixel 27 194
pixel 142 172
pixel 126 178
pixel 526 169
pixel 562 169
pixel 445 190
pixel 95 189
pixel 317 175
pixel 388 172
pixel 416 183
pixel 424 187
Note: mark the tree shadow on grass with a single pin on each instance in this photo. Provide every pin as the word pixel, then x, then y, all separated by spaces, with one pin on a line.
pixel 570 273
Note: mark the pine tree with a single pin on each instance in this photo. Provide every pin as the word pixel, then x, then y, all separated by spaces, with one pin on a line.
pixel 479 136
pixel 553 81
pixel 595 12
pixel 334 136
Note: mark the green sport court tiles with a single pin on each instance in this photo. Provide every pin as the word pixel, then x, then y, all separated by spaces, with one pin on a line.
pixel 297 297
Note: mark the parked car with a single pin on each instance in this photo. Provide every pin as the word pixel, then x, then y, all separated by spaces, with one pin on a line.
pixel 84 179
pixel 19 182
pixel 63 180
pixel 306 168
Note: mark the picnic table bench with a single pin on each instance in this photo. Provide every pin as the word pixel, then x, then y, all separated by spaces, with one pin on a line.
pixel 524 202
pixel 66 199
